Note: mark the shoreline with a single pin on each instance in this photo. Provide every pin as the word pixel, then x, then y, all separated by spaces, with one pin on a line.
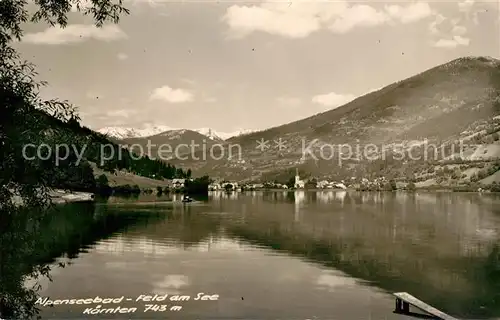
pixel 430 190
pixel 60 196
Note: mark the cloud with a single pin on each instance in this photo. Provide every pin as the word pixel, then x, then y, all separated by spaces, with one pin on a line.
pixel 300 19
pixel 171 95
pixel 459 30
pixel 104 113
pixel 434 25
pixel 121 113
pixel 333 99
pixel 452 43
pixel 411 13
pixel 122 56
pixel 244 20
pixel 288 101
pixel 358 16
pixel 97 116
pixel 75 33
pixel 466 6
pixel 449 33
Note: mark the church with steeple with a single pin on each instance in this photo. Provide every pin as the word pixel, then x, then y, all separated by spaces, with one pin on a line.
pixel 299 184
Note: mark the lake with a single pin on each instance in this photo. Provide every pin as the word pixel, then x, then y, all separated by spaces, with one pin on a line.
pixel 273 255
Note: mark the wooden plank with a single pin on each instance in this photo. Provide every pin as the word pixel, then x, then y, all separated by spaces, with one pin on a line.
pixel 406 297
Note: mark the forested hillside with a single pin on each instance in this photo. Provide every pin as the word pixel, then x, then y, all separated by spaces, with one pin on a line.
pixel 70 142
pixel 390 132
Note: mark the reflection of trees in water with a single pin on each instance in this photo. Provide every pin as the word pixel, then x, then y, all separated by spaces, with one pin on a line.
pixel 423 245
pixel 363 242
pixel 372 239
pixel 19 231
pixel 30 240
pixel 185 225
pixel 476 294
pixel 490 291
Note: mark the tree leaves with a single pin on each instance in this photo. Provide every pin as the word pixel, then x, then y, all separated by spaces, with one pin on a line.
pixel 24 121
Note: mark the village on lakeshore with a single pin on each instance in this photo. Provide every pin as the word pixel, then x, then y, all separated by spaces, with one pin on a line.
pixel 298 182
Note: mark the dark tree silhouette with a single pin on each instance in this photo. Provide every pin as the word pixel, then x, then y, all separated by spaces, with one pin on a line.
pixel 22 122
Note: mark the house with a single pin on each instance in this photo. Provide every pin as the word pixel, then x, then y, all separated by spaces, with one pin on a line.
pixel 401 185
pixel 323 184
pixel 257 186
pixel 178 183
pixel 340 186
pixel 214 187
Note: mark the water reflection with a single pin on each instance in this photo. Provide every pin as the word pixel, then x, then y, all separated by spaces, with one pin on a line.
pixel 432 245
pixel 153 259
pixel 269 248
pixel 326 197
pixel 299 197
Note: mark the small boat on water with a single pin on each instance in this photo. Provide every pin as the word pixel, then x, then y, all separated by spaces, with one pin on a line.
pixel 187 199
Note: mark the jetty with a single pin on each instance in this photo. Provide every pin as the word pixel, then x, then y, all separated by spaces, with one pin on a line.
pixel 404 300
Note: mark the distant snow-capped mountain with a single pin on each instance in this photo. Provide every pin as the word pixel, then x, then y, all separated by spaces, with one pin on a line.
pixel 125 133
pixel 211 134
pixel 217 135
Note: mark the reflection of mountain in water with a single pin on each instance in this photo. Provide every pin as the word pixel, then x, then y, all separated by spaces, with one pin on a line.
pixel 426 244
pixel 148 247
pixel 430 245
pixel 399 242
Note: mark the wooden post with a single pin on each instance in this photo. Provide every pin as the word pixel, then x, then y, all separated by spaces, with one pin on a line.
pixel 404 300
pixel 406 307
pixel 402 306
pixel 398 305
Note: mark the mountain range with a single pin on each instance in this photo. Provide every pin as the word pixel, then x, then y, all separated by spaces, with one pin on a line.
pixel 456 101
pixel 126 132
pixel 174 143
pixel 448 106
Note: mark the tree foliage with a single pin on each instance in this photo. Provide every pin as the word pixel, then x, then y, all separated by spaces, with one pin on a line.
pixel 411 186
pixel 198 185
pixel 22 122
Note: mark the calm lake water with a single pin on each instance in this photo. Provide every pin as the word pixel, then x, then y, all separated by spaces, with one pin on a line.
pixel 277 255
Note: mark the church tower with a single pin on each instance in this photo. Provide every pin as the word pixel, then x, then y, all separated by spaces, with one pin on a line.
pixel 297 178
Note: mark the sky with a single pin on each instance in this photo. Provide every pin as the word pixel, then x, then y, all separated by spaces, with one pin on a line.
pixel 232 65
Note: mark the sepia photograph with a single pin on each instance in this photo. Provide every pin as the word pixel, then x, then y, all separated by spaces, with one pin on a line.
pixel 248 160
